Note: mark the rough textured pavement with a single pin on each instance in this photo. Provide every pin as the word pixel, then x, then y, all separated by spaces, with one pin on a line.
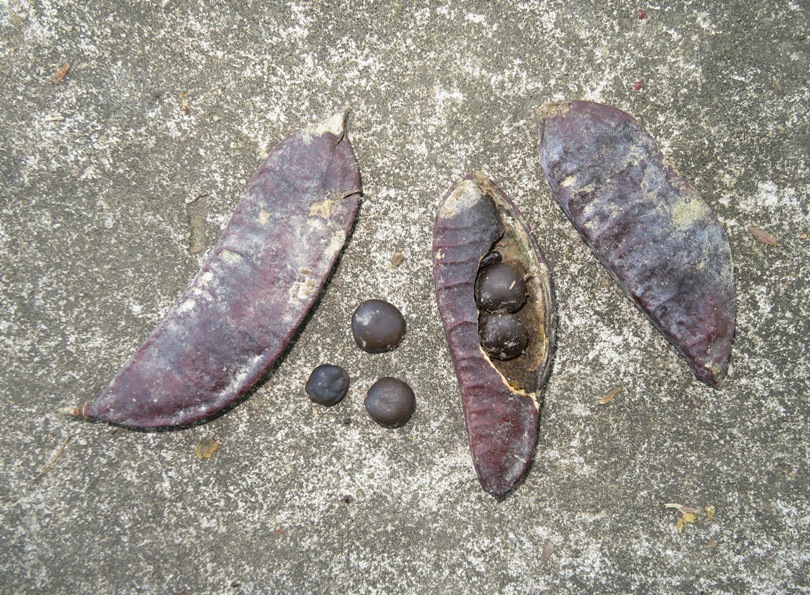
pixel 139 154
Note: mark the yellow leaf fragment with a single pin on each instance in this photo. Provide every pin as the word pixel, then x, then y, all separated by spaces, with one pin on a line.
pixel 688 515
pixel 184 103
pixel 687 519
pixel 610 396
pixel 709 510
pixel 206 448
pixel 763 237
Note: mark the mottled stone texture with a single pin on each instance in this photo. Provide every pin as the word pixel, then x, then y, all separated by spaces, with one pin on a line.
pixel 96 246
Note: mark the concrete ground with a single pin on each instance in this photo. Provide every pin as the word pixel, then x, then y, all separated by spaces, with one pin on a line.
pixel 168 101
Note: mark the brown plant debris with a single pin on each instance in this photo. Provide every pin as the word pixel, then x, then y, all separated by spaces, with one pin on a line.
pixel 206 448
pixel 763 237
pixel 610 396
pixel 61 73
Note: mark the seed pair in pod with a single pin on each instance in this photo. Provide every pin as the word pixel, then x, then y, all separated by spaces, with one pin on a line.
pixel 500 292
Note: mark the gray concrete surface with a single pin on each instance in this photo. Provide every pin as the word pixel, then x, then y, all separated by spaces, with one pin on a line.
pixel 97 172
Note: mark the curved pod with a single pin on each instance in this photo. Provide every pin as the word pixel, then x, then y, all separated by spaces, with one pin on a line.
pixel 241 310
pixel 646 224
pixel 501 399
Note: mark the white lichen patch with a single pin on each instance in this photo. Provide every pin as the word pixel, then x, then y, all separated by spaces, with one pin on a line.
pixel 322 208
pixel 231 257
pixel 264 216
pixel 686 212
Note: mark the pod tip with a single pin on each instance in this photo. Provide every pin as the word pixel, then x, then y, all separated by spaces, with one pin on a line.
pixel 335 124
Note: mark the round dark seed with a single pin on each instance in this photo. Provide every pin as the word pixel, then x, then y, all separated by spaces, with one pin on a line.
pixel 390 402
pixel 503 336
pixel 500 288
pixel 327 385
pixel 377 326
pixel 490 258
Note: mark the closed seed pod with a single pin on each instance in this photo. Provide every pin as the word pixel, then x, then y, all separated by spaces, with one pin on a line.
pixel 647 225
pixel 243 307
pixel 501 399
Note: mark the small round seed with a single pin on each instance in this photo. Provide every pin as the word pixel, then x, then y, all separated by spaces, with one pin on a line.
pixel 500 288
pixel 390 402
pixel 377 326
pixel 503 336
pixel 327 385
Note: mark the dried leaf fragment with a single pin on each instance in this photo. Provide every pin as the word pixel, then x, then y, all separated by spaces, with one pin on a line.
pixel 206 448
pixel 610 396
pixel 61 73
pixel 709 510
pixel 687 519
pixel 763 237
pixel 184 103
pixel 548 550
pixel 397 258
pixel 688 515
pixel 55 457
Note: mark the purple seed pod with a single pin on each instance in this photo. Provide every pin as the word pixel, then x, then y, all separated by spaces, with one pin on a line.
pixel 241 310
pixel 501 399
pixel 646 224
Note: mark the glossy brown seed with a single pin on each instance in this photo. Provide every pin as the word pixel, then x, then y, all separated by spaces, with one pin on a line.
pixel 327 385
pixel 659 240
pixel 500 288
pixel 503 336
pixel 501 399
pixel 390 402
pixel 240 312
pixel 377 326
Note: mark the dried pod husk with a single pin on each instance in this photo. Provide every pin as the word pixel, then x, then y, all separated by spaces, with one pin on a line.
pixel 251 294
pixel 646 224
pixel 501 399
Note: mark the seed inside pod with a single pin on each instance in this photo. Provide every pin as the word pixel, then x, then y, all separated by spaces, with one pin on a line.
pixel 327 385
pixel 377 326
pixel 503 336
pixel 500 288
pixel 390 402
pixel 491 258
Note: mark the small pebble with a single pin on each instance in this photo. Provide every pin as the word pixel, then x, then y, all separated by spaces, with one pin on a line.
pixel 377 326
pixel 390 402
pixel 327 385
pixel 500 288
pixel 503 336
